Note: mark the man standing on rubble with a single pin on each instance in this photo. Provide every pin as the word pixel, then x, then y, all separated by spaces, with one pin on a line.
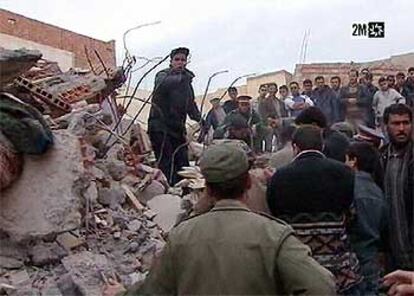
pixel 173 99
pixel 203 254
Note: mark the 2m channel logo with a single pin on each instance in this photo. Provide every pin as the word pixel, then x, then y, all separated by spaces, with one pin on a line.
pixel 370 30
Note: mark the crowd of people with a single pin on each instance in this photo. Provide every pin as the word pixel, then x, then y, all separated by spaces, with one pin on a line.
pixel 341 199
pixel 359 102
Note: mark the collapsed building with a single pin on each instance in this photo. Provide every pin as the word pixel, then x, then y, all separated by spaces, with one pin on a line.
pixel 81 199
pixel 72 212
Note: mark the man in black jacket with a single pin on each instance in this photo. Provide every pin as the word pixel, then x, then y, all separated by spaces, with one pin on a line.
pixel 334 142
pixel 355 102
pixel 314 195
pixel 312 182
pixel 369 90
pixel 231 104
pixel 173 99
pixel 325 99
pixel 408 88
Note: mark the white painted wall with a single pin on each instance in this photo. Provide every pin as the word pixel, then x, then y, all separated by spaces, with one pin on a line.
pixel 65 59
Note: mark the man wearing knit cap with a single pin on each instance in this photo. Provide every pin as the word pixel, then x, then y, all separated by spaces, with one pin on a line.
pixel 230 250
pixel 173 100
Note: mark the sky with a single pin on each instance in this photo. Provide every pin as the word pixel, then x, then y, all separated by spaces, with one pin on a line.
pixel 241 36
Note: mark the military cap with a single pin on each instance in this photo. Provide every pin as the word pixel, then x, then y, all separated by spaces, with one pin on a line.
pixel 214 100
pixel 223 162
pixel 178 50
pixel 244 98
pixel 368 134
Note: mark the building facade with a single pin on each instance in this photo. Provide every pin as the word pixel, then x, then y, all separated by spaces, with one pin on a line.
pixel 67 48
pixel 390 66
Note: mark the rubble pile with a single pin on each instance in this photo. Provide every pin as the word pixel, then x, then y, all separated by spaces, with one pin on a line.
pixel 80 202
pixel 42 84
pixel 79 213
pixel 72 220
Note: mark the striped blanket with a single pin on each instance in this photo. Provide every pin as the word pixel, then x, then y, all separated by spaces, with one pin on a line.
pixel 326 235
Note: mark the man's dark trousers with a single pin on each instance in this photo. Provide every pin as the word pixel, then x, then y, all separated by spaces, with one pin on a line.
pixel 171 154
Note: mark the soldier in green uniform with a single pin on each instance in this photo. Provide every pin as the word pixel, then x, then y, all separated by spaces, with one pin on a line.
pixel 243 123
pixel 230 250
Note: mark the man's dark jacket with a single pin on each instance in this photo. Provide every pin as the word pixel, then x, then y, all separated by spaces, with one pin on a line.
pixel 335 144
pixel 230 106
pixel 369 92
pixel 363 104
pixel 408 196
pixel 325 99
pixel 408 92
pixel 173 99
pixel 409 184
pixel 312 183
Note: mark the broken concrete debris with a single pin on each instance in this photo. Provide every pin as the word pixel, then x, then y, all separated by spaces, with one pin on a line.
pixel 89 207
pixel 10 263
pixel 134 225
pixel 75 215
pixel 16 62
pixel 46 254
pixel 69 241
pixel 38 204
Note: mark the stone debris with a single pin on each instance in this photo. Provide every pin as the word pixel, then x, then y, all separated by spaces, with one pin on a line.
pixel 134 225
pixel 69 241
pixel 85 271
pixel 10 263
pixel 111 196
pixel 90 208
pixel 167 208
pixel 15 62
pixel 46 254
pixel 41 201
pixel 77 215
pixel 19 278
pixel 6 289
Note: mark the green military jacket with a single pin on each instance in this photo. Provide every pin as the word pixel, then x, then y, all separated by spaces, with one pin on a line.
pixel 232 251
pixel 252 118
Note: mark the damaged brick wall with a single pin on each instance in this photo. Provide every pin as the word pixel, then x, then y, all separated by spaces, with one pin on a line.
pixel 25 28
